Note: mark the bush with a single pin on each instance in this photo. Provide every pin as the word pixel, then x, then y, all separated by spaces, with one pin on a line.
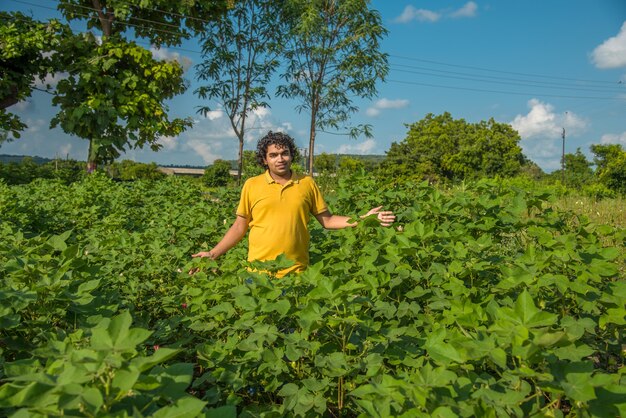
pixel 598 191
pixel 217 174
pixel 128 170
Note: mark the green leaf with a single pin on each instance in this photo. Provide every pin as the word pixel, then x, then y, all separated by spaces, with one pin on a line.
pixel 93 398
pixel 529 314
pixel 57 242
pixel 183 408
pixel 226 411
pixel 615 316
pixel 124 380
pixel 160 356
pixel 117 335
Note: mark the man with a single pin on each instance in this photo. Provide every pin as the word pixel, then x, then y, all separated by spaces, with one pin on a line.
pixel 276 207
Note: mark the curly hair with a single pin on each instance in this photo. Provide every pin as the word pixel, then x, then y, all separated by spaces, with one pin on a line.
pixel 280 139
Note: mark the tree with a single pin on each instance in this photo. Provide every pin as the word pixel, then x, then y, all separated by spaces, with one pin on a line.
pixel 440 147
pixel 326 163
pixel 578 170
pixel 240 54
pixel 128 170
pixel 115 92
pixel 114 97
pixel 604 154
pixel 218 174
pixel 333 54
pixel 349 165
pixel 251 166
pixel 27 53
pixel 610 161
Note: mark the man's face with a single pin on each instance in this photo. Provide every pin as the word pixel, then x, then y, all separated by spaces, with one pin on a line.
pixel 278 160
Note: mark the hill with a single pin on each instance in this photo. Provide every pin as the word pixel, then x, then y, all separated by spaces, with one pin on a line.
pixel 6 159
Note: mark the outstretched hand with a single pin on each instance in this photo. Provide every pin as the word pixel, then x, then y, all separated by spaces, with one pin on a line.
pixel 386 217
pixel 201 254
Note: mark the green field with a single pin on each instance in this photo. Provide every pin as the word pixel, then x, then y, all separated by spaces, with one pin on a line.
pixel 487 300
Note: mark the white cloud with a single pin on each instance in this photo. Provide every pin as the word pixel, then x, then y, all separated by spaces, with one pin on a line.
pixel 65 150
pixel 468 10
pixel 542 122
pixel 168 55
pixel 365 147
pixel 411 13
pixel 614 139
pixel 208 151
pixel 22 106
pixel 546 154
pixel 612 52
pixel 214 114
pixel 213 137
pixel 169 143
pixel 35 126
pixel 541 131
pixel 259 122
pixel 422 15
pixel 386 104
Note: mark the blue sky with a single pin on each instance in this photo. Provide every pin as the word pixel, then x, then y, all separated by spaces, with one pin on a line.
pixel 541 66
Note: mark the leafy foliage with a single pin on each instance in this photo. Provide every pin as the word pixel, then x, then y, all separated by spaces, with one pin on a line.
pixel 113 97
pixel 578 169
pixel 240 53
pixel 160 21
pixel 26 170
pixel 610 160
pixel 481 302
pixel 115 93
pixel 26 54
pixel 442 148
pixel 130 170
pixel 333 54
pixel 217 174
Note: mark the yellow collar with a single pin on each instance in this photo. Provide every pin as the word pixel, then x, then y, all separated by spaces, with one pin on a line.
pixel 295 177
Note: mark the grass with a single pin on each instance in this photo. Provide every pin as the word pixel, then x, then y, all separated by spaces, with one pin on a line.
pixel 605 211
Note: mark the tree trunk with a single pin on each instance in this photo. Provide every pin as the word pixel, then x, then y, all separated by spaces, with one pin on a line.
pixel 311 142
pixel 10 99
pixel 91 157
pixel 240 160
pixel 106 18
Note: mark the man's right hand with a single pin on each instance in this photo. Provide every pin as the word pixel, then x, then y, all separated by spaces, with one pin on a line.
pixel 205 254
pixel 202 254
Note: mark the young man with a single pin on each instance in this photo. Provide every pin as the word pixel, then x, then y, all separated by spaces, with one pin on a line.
pixel 276 207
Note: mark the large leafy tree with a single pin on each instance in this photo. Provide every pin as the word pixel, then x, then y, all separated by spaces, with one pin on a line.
pixel 115 93
pixel 443 148
pixel 578 172
pixel 27 54
pixel 610 161
pixel 240 54
pixel 114 96
pixel 333 54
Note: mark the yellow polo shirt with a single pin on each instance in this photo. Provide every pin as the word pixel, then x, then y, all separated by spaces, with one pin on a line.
pixel 278 216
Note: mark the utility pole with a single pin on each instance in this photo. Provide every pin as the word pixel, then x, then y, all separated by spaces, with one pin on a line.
pixel 563 158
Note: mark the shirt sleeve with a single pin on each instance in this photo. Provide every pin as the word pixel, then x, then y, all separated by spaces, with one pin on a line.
pixel 319 205
pixel 244 202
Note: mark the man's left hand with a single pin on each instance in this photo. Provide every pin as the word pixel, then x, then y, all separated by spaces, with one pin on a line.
pixel 385 217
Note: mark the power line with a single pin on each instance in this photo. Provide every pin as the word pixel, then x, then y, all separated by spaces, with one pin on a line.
pixel 505 92
pixel 509 83
pixel 502 71
pixel 430 71
pixel 517 81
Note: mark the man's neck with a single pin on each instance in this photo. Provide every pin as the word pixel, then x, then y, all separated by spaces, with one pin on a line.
pixel 281 179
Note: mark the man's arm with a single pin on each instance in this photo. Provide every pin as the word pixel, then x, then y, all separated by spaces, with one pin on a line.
pixel 234 234
pixel 330 221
